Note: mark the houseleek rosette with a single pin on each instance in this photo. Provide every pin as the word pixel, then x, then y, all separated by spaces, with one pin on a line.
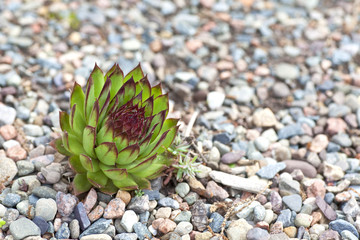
pixel 116 131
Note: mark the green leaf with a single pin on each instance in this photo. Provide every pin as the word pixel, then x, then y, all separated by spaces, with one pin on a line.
pixel 78 97
pixel 77 122
pixel 64 121
pixel 94 115
pixel 107 153
pixel 149 105
pixel 89 97
pixel 161 103
pixel 157 123
pixel 98 78
pixel 170 136
pixel 59 146
pixel 126 92
pixel 155 145
pixel 2 222
pixel 156 90
pixel 104 110
pixel 97 179
pixel 141 164
pixel 168 123
pixel 105 93
pixel 89 140
pixel 91 165
pixel 76 165
pixel 106 134
pixel 142 183
pixel 117 80
pixel 151 170
pixel 111 172
pixel 72 144
pixel 127 184
pixel 121 141
pixel 128 155
pixel 109 189
pixel 111 70
pixel 81 184
pixel 137 74
pixel 146 88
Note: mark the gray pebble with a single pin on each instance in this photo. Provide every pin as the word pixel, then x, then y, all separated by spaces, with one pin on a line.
pixel 168 202
pixel 11 199
pixel 23 228
pixel 294 202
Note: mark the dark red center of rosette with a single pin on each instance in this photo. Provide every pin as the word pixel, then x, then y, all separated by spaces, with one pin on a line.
pixel 129 120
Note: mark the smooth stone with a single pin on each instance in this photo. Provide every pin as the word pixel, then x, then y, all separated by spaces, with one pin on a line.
pixel 257 234
pixel 307 169
pixel 81 215
pixel 142 231
pixel 23 228
pixel 239 183
pixel 290 131
pixel 269 171
pixel 232 157
pixel 325 208
pixel 126 236
pixel 128 220
pixel 8 170
pixel 44 192
pixel 11 199
pixel 41 223
pixel 182 189
pixel 215 99
pixel 216 221
pixel 340 225
pixel 97 227
pixel 7 114
pixel 46 208
pixel 294 202
pixel 286 71
pixel 169 202
pixel 63 232
pixel 347 235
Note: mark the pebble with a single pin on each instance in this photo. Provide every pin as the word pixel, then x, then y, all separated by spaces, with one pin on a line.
pixel 325 208
pixel 96 237
pixel 74 227
pixel 239 183
pixel 46 208
pixel 264 118
pixel 141 231
pixel 169 202
pixel 63 232
pixel 340 225
pixel 128 220
pixel 44 192
pixel 269 171
pixel 307 169
pixel 183 228
pixel 238 229
pixel 65 203
pixel 81 216
pixel 97 227
pixel 232 157
pixel 216 221
pixel 294 202
pixel 215 99
pixel 7 115
pixel 257 234
pixel 11 199
pixel 290 131
pixel 8 170
pixel 139 204
pixel 23 228
pixel 286 71
pixel 126 236
pixel 115 209
pixel 182 189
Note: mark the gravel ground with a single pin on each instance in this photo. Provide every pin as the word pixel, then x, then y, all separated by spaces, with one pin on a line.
pixel 274 87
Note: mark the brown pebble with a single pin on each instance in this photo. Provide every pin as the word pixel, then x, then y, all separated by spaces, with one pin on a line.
pixel 316 189
pixel 342 197
pixel 90 200
pixel 115 209
pixel 290 231
pixel 8 132
pixel 317 217
pixel 325 208
pixel 124 195
pixel 16 153
pixel 306 168
pixel 96 213
pixel 277 227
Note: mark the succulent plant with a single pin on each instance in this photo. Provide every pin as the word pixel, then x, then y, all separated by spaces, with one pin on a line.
pixel 116 131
